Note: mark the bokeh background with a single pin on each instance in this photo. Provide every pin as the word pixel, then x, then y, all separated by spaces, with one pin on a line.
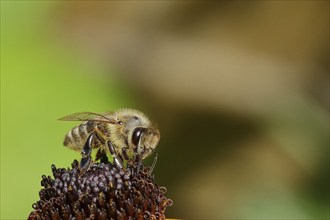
pixel 239 89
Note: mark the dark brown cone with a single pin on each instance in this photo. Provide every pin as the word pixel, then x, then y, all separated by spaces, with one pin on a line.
pixel 103 192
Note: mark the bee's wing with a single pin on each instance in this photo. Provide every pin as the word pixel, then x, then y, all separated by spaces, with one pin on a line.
pixel 89 116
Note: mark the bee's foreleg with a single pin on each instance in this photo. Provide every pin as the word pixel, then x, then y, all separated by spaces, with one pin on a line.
pixel 116 159
pixel 138 160
pixel 86 154
pixel 124 153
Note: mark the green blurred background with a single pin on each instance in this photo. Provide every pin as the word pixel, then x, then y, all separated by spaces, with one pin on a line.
pixel 41 80
pixel 239 89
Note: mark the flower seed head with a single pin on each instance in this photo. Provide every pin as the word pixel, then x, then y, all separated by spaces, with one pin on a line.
pixel 103 192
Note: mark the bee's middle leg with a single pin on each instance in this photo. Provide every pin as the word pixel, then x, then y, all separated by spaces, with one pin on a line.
pixel 101 155
pixel 116 158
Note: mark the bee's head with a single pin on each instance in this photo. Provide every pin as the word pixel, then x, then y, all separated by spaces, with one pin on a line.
pixel 144 140
pixel 142 135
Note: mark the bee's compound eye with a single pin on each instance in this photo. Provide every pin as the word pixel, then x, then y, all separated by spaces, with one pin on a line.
pixel 136 136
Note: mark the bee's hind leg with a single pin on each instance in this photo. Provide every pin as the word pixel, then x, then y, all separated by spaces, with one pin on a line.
pixel 116 159
pixel 86 155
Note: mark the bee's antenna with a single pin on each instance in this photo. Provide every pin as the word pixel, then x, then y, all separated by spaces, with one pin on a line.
pixel 154 162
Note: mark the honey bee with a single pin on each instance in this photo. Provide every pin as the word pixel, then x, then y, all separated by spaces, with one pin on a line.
pixel 127 134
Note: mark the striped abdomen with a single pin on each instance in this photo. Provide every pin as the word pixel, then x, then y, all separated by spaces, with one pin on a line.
pixel 77 136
